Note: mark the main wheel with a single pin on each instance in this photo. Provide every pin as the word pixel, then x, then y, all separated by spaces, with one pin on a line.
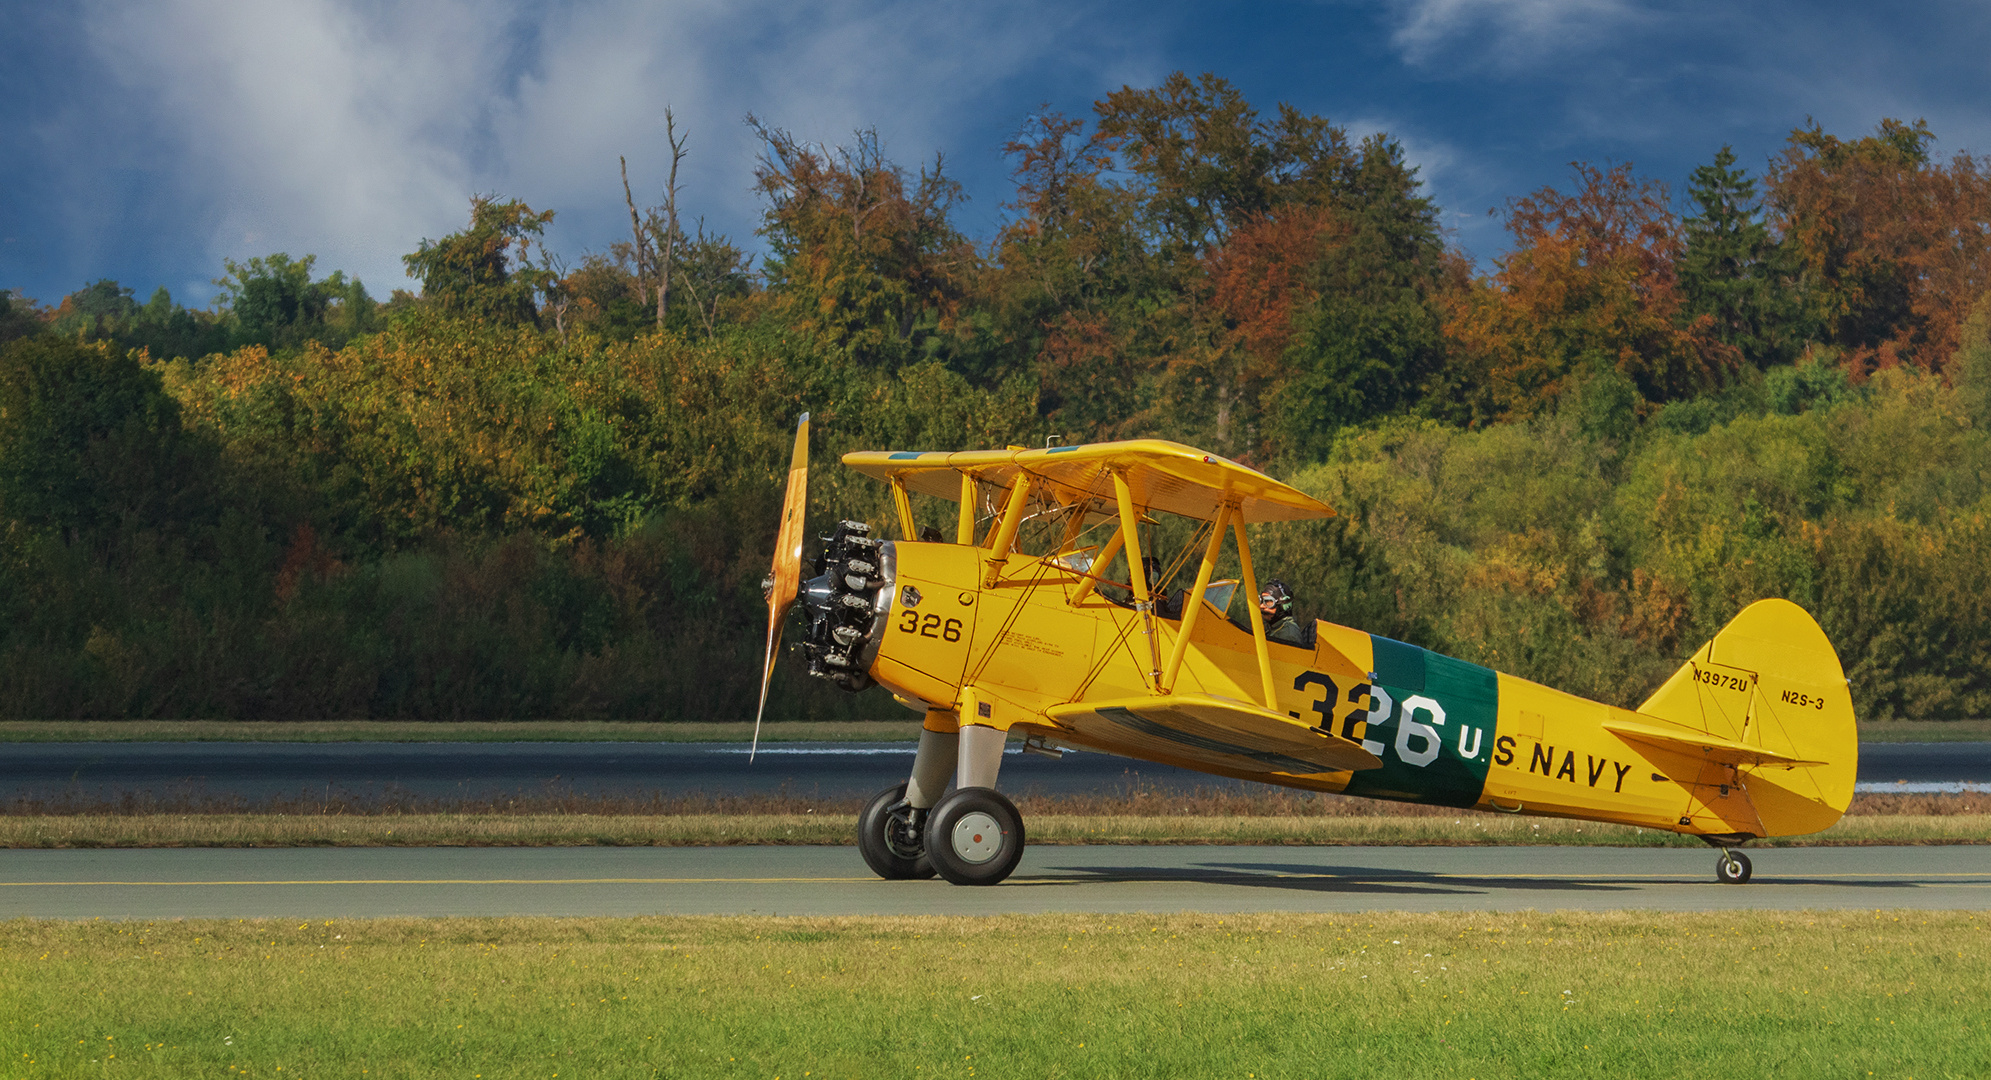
pixel 1732 868
pixel 974 837
pixel 890 838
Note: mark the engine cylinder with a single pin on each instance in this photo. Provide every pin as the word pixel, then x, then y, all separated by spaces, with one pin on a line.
pixel 846 603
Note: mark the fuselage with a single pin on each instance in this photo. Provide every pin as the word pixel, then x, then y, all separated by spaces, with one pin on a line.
pixel 1446 731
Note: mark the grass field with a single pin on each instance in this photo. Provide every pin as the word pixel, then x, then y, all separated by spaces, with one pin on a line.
pixel 610 731
pixel 1785 994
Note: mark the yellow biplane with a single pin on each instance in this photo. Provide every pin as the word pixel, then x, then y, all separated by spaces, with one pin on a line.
pixel 1031 622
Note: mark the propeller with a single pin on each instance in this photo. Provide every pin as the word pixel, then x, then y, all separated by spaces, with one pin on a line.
pixel 785 580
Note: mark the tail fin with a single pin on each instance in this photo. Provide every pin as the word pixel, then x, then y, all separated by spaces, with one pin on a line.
pixel 1771 682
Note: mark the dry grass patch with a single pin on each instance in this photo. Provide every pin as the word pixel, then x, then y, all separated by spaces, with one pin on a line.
pixel 1468 995
pixel 1132 815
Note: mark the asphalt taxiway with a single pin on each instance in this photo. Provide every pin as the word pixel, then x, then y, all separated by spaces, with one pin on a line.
pixel 373 882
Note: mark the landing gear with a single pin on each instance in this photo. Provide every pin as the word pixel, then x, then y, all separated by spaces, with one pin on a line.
pixel 891 836
pixel 1732 867
pixel 974 837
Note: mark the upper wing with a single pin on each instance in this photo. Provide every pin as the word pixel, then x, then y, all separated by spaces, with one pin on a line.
pixel 1165 476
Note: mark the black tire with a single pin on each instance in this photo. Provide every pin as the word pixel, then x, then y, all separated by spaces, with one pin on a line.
pixel 1732 868
pixel 974 837
pixel 891 846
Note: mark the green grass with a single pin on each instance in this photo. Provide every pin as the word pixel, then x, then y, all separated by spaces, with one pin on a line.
pixel 316 731
pixel 1785 994
pixel 611 731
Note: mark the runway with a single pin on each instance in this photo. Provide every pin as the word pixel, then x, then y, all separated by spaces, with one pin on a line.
pixel 262 771
pixel 374 882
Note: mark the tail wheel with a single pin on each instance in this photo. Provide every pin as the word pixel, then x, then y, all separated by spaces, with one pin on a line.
pixel 974 837
pixel 890 838
pixel 1732 868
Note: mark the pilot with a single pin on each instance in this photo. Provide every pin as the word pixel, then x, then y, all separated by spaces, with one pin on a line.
pixel 1275 603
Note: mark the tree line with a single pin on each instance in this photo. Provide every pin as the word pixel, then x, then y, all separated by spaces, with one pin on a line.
pixel 538 488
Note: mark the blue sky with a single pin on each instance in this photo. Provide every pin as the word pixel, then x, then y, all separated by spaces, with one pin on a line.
pixel 148 141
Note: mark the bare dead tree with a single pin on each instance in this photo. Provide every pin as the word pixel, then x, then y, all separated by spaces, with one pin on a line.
pixel 700 251
pixel 667 242
pixel 642 247
pixel 656 229
pixel 558 298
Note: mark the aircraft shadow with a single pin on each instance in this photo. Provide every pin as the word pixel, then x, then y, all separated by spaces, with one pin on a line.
pixel 1329 879
pixel 1362 879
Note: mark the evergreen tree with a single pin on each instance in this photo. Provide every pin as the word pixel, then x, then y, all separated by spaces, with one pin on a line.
pixel 19 317
pixel 90 443
pixel 1731 268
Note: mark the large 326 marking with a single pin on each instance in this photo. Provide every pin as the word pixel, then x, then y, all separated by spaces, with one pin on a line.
pixel 932 626
pixel 1377 712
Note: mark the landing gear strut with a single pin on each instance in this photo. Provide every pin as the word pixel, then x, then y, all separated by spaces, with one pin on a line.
pixel 1732 867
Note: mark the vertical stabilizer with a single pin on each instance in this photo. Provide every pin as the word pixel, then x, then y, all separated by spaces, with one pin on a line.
pixel 1769 679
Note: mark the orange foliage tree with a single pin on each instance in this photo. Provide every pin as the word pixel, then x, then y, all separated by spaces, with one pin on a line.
pixel 1589 287
pixel 861 254
pixel 1892 247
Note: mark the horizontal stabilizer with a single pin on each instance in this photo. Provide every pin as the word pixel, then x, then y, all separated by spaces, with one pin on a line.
pixel 1712 747
pixel 1221 730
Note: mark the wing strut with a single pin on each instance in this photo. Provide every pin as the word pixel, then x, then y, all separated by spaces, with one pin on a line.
pixel 1257 616
pixel 1130 524
pixel 1193 606
pixel 1099 563
pixel 904 505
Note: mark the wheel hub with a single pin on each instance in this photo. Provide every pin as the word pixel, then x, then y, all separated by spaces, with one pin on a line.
pixel 905 832
pixel 977 837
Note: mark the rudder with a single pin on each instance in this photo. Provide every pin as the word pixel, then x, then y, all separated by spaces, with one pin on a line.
pixel 1769 679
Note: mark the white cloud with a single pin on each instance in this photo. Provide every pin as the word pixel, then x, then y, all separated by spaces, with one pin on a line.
pixel 311 126
pixel 1503 33
pixel 352 130
pixel 914 70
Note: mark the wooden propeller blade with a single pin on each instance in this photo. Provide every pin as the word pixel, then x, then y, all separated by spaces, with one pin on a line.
pixel 787 563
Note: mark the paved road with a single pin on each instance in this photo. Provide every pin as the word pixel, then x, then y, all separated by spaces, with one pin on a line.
pixel 369 882
pixel 265 770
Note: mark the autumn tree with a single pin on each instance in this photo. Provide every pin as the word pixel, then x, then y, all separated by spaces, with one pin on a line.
pixel 861 254
pixel 1211 164
pixel 1590 286
pixel 1891 247
pixel 1301 263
